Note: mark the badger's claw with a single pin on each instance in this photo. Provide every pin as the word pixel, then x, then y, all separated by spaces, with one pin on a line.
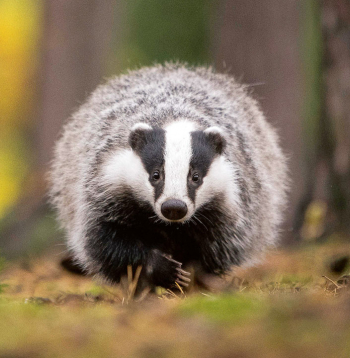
pixel 183 272
pixel 167 271
pixel 182 280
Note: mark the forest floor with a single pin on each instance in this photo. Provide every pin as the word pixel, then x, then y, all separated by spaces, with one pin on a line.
pixel 283 308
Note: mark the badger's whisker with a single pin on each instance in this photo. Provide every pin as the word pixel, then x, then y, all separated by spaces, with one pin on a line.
pixel 201 214
pixel 191 220
pixel 195 217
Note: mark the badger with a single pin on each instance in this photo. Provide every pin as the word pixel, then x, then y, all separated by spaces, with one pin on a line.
pixel 165 167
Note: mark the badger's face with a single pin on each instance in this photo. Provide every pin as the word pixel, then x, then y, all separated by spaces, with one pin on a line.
pixel 176 169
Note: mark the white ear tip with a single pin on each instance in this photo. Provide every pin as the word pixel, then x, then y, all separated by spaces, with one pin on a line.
pixel 214 130
pixel 141 126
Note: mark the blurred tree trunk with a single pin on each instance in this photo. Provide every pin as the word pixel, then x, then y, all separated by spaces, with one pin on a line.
pixel 328 191
pixel 258 42
pixel 299 55
pixel 335 131
pixel 75 44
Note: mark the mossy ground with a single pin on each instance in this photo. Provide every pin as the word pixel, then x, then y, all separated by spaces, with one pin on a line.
pixel 282 308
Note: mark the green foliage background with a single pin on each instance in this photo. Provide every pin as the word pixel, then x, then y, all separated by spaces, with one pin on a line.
pixel 161 31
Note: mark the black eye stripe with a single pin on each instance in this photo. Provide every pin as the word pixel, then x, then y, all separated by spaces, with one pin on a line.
pixel 152 157
pixel 202 156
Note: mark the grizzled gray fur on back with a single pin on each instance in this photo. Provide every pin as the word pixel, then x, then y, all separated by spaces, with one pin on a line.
pixel 168 166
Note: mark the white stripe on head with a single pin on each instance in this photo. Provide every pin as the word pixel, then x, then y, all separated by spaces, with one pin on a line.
pixel 178 152
pixel 177 156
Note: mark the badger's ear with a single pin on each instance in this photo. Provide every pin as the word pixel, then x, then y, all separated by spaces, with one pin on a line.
pixel 137 137
pixel 216 138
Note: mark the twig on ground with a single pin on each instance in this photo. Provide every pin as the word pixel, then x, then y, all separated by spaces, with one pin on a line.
pixel 334 283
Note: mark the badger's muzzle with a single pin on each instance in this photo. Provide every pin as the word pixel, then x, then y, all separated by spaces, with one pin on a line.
pixel 174 209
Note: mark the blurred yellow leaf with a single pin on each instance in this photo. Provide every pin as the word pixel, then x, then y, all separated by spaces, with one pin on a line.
pixel 314 220
pixel 20 28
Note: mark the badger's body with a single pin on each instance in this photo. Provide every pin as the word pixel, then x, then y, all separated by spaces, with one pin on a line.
pixel 166 166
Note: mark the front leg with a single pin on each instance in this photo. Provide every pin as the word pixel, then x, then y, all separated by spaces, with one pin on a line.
pixel 112 248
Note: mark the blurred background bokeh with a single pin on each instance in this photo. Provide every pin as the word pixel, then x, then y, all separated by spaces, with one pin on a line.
pixel 295 55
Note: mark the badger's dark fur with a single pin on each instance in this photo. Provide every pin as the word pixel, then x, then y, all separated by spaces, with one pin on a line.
pixel 164 166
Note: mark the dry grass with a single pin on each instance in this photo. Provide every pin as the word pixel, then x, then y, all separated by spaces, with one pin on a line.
pixel 291 305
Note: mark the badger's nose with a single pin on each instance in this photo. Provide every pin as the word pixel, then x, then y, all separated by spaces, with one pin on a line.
pixel 174 209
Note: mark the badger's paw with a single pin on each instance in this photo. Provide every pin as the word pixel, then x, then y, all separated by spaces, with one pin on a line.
pixel 166 272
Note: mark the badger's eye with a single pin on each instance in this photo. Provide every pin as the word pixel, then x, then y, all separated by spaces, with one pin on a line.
pixel 195 177
pixel 156 175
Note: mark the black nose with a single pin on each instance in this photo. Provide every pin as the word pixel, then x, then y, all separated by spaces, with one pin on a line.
pixel 174 209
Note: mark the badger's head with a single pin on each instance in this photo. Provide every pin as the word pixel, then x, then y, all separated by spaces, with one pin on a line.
pixel 177 169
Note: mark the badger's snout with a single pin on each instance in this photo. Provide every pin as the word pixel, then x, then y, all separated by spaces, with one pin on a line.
pixel 174 209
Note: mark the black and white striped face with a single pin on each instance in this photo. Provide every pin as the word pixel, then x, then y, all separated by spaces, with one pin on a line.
pixel 176 168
